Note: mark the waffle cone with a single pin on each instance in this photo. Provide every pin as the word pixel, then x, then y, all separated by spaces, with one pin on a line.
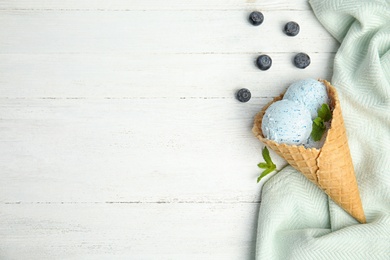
pixel 330 167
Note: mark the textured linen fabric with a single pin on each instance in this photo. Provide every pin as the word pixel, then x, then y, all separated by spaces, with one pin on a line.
pixel 296 219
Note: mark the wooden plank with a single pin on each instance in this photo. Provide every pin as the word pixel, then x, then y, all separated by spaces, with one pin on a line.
pixel 128 231
pixel 102 5
pixel 151 75
pixel 123 32
pixel 131 150
pixel 120 137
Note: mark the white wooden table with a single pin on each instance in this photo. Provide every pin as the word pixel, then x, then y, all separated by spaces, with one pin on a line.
pixel 120 137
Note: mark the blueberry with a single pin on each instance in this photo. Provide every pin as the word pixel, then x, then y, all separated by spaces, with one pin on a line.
pixel 243 95
pixel 291 28
pixel 264 62
pixel 256 18
pixel 301 60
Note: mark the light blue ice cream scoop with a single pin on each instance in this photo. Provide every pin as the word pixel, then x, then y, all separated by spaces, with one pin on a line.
pixel 309 92
pixel 287 122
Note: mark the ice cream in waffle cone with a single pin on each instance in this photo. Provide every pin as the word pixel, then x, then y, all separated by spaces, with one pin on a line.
pixel 329 167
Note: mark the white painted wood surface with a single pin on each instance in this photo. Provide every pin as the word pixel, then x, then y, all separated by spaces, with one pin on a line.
pixel 120 137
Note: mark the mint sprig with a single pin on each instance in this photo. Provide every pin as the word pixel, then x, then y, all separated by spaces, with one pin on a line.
pixel 268 166
pixel 324 115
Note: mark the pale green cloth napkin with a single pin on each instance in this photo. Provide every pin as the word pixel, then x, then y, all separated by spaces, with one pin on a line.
pixel 296 219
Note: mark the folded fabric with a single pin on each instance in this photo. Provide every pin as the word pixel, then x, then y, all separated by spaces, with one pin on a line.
pixel 296 219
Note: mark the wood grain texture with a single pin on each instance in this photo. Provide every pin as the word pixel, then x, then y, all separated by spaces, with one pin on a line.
pixel 151 75
pixel 128 231
pixel 157 32
pixel 120 137
pixel 101 5
pixel 131 150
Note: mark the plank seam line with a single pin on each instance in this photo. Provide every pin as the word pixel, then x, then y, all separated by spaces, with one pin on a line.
pixel 129 202
pixel 117 98
pixel 147 10
pixel 166 53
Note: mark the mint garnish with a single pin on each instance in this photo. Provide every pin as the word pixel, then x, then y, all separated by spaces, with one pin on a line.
pixel 324 115
pixel 268 166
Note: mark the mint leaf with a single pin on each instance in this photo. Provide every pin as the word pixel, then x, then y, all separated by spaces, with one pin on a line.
pixel 324 112
pixel 318 121
pixel 266 156
pixel 262 165
pixel 268 166
pixel 265 173
pixel 318 131
pixel 324 115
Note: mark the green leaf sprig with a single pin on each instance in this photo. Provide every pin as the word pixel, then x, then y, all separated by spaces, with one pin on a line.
pixel 268 166
pixel 324 115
